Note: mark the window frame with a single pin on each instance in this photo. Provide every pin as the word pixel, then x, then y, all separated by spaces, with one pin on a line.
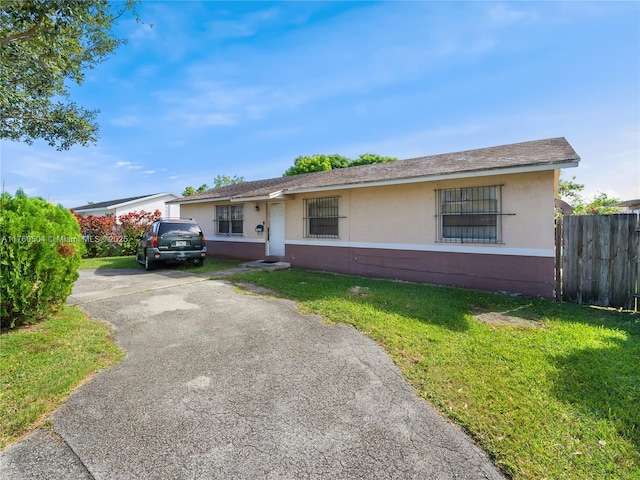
pixel 469 214
pixel 326 216
pixel 230 210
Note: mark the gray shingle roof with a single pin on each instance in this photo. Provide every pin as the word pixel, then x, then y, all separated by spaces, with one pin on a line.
pixel 111 203
pixel 548 153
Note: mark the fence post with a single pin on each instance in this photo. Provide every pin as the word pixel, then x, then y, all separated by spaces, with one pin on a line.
pixel 558 272
pixel 636 295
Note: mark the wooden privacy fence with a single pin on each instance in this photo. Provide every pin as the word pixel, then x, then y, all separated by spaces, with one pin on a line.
pixel 597 260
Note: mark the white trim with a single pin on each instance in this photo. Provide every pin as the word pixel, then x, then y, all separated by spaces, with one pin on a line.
pixel 233 238
pixel 115 206
pixel 202 200
pixel 278 195
pixel 259 198
pixel 144 199
pixel 444 248
pixel 99 209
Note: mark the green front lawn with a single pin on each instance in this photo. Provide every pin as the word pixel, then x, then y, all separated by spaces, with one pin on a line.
pixel 550 391
pixel 109 262
pixel 210 264
pixel 41 364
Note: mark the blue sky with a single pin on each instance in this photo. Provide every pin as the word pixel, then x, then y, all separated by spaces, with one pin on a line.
pixel 242 88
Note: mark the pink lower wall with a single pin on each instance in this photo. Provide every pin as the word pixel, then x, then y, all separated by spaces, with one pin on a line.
pixel 240 250
pixel 526 275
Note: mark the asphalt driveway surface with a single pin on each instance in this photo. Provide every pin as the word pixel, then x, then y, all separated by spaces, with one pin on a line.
pixel 223 385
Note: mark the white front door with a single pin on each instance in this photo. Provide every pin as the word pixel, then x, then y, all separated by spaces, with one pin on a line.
pixel 275 245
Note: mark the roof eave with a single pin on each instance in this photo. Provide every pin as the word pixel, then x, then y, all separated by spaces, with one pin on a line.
pixel 141 199
pixel 277 195
pixel 201 200
pixel 99 209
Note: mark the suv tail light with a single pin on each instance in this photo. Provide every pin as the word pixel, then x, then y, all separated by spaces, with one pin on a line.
pixel 154 242
pixel 202 240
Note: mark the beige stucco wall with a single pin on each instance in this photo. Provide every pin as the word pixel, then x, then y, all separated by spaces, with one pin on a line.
pixel 405 215
pixel 204 214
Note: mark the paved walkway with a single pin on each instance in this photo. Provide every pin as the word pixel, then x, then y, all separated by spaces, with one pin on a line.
pixel 221 385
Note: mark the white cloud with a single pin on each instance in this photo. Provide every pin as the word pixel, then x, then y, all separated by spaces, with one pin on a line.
pixel 246 25
pixel 503 14
pixel 127 121
pixel 55 175
pixel 205 103
pixel 128 165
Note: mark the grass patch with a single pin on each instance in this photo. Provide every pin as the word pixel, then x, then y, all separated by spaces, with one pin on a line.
pixel 109 262
pixel 210 264
pixel 550 390
pixel 41 364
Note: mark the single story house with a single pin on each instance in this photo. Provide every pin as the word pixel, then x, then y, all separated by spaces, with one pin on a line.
pixel 122 206
pixel 629 206
pixel 480 219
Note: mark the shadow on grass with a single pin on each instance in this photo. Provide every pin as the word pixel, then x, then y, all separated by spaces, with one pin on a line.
pixel 449 307
pixel 605 382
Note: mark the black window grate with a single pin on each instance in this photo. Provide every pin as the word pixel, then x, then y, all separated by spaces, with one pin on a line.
pixel 322 218
pixel 469 214
pixel 229 219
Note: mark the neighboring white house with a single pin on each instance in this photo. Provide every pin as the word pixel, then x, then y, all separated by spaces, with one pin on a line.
pixel 630 206
pixel 122 206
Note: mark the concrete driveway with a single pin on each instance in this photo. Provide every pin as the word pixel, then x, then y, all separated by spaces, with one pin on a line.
pixel 223 385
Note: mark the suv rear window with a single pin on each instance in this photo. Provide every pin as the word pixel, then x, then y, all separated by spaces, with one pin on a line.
pixel 168 228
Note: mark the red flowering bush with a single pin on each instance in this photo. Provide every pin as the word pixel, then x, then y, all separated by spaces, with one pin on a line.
pixel 131 226
pixel 96 232
pixel 105 236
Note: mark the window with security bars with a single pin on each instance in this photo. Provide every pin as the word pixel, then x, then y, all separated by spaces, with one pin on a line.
pixel 229 219
pixel 321 217
pixel 471 214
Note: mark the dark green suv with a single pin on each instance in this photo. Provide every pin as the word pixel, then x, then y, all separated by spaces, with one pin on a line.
pixel 171 240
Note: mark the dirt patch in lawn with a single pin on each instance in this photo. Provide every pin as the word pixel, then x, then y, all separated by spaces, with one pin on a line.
pixel 506 318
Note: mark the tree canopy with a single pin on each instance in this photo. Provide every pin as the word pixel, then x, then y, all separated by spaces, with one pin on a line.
pixel 601 203
pixel 321 162
pixel 43 45
pixel 219 181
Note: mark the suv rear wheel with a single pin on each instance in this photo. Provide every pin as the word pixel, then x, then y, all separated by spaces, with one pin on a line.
pixel 197 262
pixel 148 264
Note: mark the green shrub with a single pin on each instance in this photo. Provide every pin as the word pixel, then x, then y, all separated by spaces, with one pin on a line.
pixel 40 253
